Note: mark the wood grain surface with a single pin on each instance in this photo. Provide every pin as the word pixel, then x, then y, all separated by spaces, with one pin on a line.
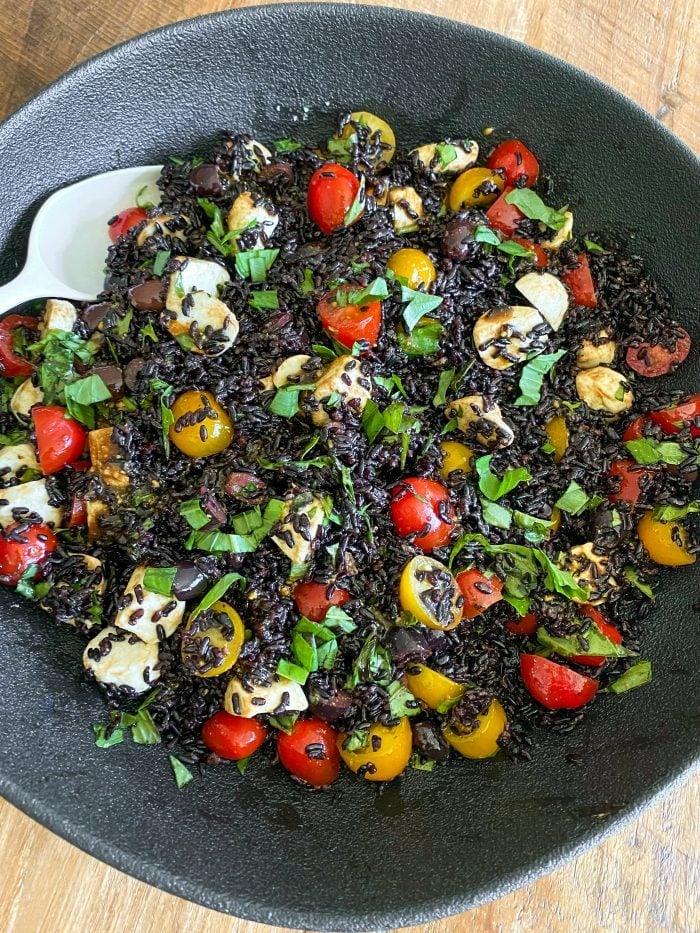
pixel 647 878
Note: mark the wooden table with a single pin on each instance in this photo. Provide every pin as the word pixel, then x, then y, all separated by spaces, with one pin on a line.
pixel 647 877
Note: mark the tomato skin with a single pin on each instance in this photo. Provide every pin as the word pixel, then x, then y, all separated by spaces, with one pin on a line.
pixel 515 160
pixel 11 364
pixel 630 474
pixel 125 220
pixel 233 737
pixel 541 260
pixel 554 685
pixel 331 192
pixel 350 323
pixel 414 505
pixel 16 556
pixel 476 601
pixel 635 430
pixel 672 420
pixel 60 440
pixel 313 602
pixel 605 628
pixel 580 283
pixel 526 626
pixel 503 216
pixel 653 359
pixel 292 750
pixel 78 514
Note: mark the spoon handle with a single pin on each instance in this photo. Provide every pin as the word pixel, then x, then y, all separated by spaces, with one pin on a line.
pixel 25 287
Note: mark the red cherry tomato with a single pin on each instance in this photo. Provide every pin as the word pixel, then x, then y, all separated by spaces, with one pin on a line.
pixel 19 550
pixel 310 752
pixel 124 221
pixel 422 507
pixel 580 283
pixel 479 591
pixel 233 737
pixel 11 364
pixel 60 440
pixel 78 514
pixel 350 323
pixel 672 420
pixel 541 260
pixel 503 216
pixel 525 626
pixel 631 476
pixel 313 602
pixel 516 161
pixel 332 190
pixel 602 624
pixel 635 430
pixel 653 359
pixel 554 685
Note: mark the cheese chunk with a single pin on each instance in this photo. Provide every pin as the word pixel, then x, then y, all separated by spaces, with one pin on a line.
pixel 279 696
pixel 108 460
pixel 486 427
pixel 146 610
pixel 465 155
pixel 122 660
pixel 306 513
pixel 32 496
pixel 26 396
pixel 506 336
pixel 58 315
pixel 14 460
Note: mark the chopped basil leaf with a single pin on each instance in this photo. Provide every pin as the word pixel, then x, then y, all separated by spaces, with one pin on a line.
pixel 390 383
pixel 26 587
pixel 417 305
pixel 167 419
pixel 573 500
pixel 571 645
pixel 324 352
pixel 620 393
pixel 103 739
pixel 635 676
pixel 484 234
pixel 548 448
pixel 219 542
pixel 216 592
pixel 558 580
pixel 535 529
pixel 217 235
pixel 193 513
pixel 286 145
pixel 533 206
pixel 285 402
pixel 494 487
pixel 674 513
pixel 532 376
pixel 401 701
pixel 284 722
pixel 372 665
pixel 254 264
pixel 264 300
pixel 294 672
pixel 497 515
pixel 377 289
pixel 82 394
pixel 160 262
pixel 306 286
pixel 645 450
pixel 372 421
pixel 593 247
pixel 423 340
pixel 181 774
pixel 143 729
pixel 356 741
pixel 444 383
pixel 358 205
pixel 418 763
pixel 632 576
pixel 148 331
pixel 242 764
pixel 446 154
pixel 160 580
pixel 139 198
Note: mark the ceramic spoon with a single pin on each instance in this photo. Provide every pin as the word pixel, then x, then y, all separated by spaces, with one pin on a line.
pixel 69 238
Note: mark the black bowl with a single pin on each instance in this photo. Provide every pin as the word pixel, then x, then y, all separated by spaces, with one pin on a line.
pixel 261 847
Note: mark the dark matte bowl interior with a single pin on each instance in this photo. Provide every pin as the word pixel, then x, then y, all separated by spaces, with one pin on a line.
pixel 261 847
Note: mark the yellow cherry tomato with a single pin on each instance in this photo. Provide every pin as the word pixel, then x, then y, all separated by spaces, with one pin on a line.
pixel 665 542
pixel 477 187
pixel 389 759
pixel 457 456
pixel 375 125
pixel 432 687
pixel 482 741
pixel 556 519
pixel 557 431
pixel 413 265
pixel 201 427
pixel 428 591
pixel 226 636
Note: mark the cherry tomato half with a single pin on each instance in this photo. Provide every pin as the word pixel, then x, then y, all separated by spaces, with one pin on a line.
pixel 631 477
pixel 349 323
pixel 310 752
pixel 11 364
pixel 331 192
pixel 422 507
pixel 673 420
pixel 233 737
pixel 60 440
pixel 653 359
pixel 516 161
pixel 541 260
pixel 526 626
pixel 479 591
pixel 554 685
pixel 605 628
pixel 124 221
pixel 313 602
pixel 503 216
pixel 20 550
pixel 78 513
pixel 635 430
pixel 580 283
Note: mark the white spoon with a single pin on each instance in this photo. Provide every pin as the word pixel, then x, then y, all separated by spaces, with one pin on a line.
pixel 69 238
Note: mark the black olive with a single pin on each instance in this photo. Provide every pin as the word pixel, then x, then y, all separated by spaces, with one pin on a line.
pixel 113 378
pixel 94 315
pixel 147 296
pixel 333 708
pixel 205 180
pixel 408 644
pixel 428 742
pixel 189 581
pixel 132 372
pixel 458 241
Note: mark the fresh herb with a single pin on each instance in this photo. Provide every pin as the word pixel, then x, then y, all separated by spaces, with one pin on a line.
pixel 264 300
pixel 242 764
pixel 139 201
pixel 571 645
pixel 286 145
pixel 645 450
pixel 532 375
pixel 216 592
pixel 28 588
pixel 147 331
pixel 632 576
pixel 306 286
pixel 444 383
pixel 193 513
pixel 357 207
pixel 254 264
pixel 511 248
pixel 573 500
pixel 181 774
pixel 674 513
pixel 484 234
pixel 418 763
pixel 390 384
pixel 167 418
pixel 160 580
pixel 446 154
pixel 221 239
pixel 494 487
pixel 593 247
pixel 497 515
pixel 160 262
pixel 143 728
pixel 58 351
pixel 423 340
pixel 558 580
pixel 635 676
pixel 285 402
pixel 358 267
pixel 221 542
pixel 106 738
pixel 376 290
pixel 314 645
pixel 534 529
pixel 284 721
pixel 533 206
pixel 357 740
pixel 82 394
pixel 401 701
pixel 372 665
pixel 417 304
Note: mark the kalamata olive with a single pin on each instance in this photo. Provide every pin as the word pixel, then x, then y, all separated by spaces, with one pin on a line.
pixel 113 378
pixel 408 644
pixel 94 315
pixel 245 486
pixel 147 296
pixel 428 742
pixel 458 241
pixel 213 507
pixel 332 708
pixel 205 180
pixel 276 170
pixel 132 371
pixel 189 581
pixel 612 524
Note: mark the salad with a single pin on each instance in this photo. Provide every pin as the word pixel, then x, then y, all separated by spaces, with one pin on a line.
pixel 361 457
